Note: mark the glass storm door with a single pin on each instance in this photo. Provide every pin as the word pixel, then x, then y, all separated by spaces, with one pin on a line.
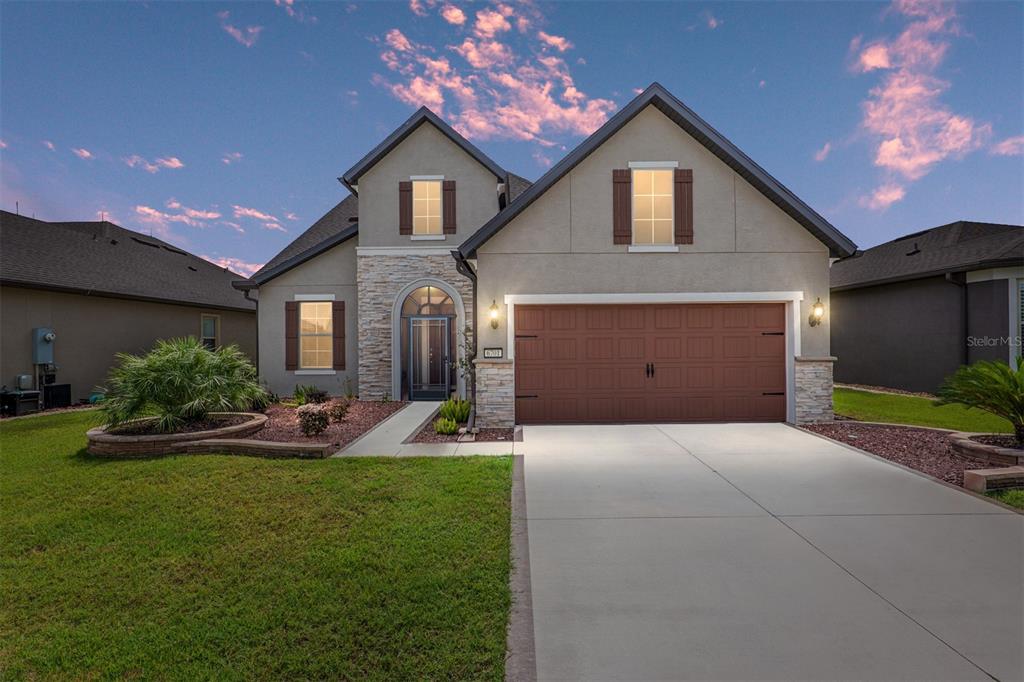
pixel 428 358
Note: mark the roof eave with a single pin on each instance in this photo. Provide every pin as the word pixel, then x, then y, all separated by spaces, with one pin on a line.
pixel 259 279
pixel 967 267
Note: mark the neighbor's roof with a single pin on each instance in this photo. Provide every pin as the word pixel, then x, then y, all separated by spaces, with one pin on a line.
pixel 422 115
pixel 101 258
pixel 957 247
pixel 658 96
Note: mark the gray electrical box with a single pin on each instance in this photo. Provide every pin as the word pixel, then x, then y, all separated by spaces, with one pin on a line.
pixel 42 345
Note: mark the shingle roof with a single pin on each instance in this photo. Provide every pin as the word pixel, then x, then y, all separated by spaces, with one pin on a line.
pixel 330 224
pixel 516 186
pixel 656 95
pixel 956 247
pixel 104 259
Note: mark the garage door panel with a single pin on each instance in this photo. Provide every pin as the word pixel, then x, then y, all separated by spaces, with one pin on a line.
pixel 770 317
pixel 528 349
pixel 532 380
pixel 734 347
pixel 631 348
pixel 600 317
pixel 630 378
pixel 600 348
pixel 562 350
pixel 769 346
pixel 564 378
pixel 668 348
pixel 700 347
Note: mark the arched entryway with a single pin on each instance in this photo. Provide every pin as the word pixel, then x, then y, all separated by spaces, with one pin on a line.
pixel 426 341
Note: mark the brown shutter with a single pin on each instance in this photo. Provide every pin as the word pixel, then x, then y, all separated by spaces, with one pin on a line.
pixel 338 326
pixel 448 206
pixel 684 205
pixel 405 207
pixel 291 335
pixel 622 208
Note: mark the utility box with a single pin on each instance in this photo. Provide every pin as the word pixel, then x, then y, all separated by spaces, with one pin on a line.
pixel 42 345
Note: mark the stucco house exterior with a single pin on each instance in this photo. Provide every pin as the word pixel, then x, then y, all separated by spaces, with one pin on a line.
pixel 102 290
pixel 906 314
pixel 655 273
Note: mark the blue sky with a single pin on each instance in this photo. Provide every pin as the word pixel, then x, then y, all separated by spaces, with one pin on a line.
pixel 223 126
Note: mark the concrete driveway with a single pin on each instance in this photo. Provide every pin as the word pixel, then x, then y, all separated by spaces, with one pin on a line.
pixel 758 551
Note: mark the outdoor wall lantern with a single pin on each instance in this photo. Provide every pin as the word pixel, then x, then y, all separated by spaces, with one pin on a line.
pixel 494 314
pixel 817 312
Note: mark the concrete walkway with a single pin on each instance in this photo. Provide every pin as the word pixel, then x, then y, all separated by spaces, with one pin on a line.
pixel 758 551
pixel 385 439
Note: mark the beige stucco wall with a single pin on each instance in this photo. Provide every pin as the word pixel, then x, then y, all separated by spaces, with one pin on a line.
pixel 742 242
pixel 91 329
pixel 332 272
pixel 425 152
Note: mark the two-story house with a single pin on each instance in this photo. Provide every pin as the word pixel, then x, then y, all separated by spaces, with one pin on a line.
pixel 656 273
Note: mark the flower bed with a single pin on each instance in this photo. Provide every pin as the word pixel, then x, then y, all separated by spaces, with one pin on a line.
pixel 130 442
pixel 428 435
pixel 993 449
pixel 283 423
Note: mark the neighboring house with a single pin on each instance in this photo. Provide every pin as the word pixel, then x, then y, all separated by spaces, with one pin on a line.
pixel 907 313
pixel 103 289
pixel 655 273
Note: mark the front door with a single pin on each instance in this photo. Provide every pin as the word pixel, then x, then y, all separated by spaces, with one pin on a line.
pixel 429 352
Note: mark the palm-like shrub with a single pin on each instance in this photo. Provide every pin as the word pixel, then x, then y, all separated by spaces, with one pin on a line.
pixel 455 409
pixel 181 381
pixel 446 426
pixel 990 386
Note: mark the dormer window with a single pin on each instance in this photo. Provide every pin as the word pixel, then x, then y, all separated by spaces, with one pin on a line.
pixel 426 207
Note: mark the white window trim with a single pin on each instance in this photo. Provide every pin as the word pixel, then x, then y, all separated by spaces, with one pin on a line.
pixel 216 330
pixel 414 178
pixel 313 297
pixel 315 372
pixel 653 248
pixel 403 251
pixel 428 237
pixel 649 165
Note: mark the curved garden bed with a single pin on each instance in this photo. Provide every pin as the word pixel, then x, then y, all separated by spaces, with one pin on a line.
pixel 104 443
pixel 971 446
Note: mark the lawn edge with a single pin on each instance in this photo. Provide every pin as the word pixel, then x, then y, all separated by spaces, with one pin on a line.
pixel 979 496
pixel 520 651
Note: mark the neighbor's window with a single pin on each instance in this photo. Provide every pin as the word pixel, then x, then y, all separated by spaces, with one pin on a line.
pixel 652 206
pixel 426 207
pixel 315 335
pixel 209 331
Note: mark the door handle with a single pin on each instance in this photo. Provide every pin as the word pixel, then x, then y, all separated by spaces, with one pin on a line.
pixel 652 369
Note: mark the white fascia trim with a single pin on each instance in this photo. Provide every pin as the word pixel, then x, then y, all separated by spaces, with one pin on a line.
pixel 653 248
pixel 403 251
pixel 313 297
pixel 994 273
pixel 315 372
pixel 653 164
pixel 679 297
pixel 426 177
pixel 428 237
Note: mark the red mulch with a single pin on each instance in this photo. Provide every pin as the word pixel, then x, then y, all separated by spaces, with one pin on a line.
pixel 885 389
pixel 428 435
pixel 283 423
pixel 1000 441
pixel 924 450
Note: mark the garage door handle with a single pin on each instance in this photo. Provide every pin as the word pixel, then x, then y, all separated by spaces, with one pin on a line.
pixel 777 393
pixel 773 333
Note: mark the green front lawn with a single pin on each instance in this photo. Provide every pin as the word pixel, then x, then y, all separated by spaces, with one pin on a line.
pixel 219 567
pixel 907 409
pixel 1013 497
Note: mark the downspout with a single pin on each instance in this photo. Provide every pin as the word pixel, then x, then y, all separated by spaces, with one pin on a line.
pixel 959 280
pixel 246 296
pixel 465 269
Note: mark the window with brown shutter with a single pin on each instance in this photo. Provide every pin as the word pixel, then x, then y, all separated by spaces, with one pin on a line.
pixel 338 315
pixel 291 335
pixel 622 218
pixel 448 206
pixel 405 207
pixel 684 205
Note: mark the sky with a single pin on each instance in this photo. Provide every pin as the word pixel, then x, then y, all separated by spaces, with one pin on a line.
pixel 222 127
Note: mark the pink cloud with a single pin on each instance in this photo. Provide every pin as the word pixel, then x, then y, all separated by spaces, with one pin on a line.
pixel 873 57
pixel 274 226
pixel 397 40
pixel 823 153
pixel 883 197
pixel 3 144
pixel 295 12
pixel 291 216
pixel 1011 146
pixel 235 265
pixel 417 7
pixel 193 217
pixel 136 161
pixel 230 158
pixel 453 15
pixel 49 145
pixel 557 42
pixel 268 221
pixel 234 226
pixel 711 21
pixel 489 23
pixel 246 36
pixel 82 153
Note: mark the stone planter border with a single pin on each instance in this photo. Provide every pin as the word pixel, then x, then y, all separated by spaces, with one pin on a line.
pixel 963 446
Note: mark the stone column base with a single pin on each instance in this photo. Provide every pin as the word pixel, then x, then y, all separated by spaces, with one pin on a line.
pixel 813 389
pixel 495 394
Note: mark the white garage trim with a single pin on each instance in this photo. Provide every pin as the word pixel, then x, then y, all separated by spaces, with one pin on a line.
pixel 790 298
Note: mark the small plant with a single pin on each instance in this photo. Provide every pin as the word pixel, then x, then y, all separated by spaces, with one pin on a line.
pixel 181 381
pixel 990 386
pixel 349 391
pixel 308 394
pixel 313 419
pixel 337 409
pixel 446 426
pixel 455 409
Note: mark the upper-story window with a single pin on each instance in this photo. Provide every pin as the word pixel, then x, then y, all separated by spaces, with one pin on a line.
pixel 652 206
pixel 426 207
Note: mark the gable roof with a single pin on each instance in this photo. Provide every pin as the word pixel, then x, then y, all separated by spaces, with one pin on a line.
pixel 101 258
pixel 956 247
pixel 339 219
pixel 422 115
pixel 657 96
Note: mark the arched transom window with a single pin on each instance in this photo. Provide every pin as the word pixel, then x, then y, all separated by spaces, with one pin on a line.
pixel 428 301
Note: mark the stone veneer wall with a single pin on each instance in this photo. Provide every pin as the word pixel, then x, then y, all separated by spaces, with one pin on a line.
pixel 814 389
pixel 379 280
pixel 495 394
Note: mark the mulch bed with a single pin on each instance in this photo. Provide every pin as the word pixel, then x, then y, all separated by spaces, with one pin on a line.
pixel 924 450
pixel 283 423
pixel 1000 441
pixel 428 435
pixel 884 389
pixel 147 427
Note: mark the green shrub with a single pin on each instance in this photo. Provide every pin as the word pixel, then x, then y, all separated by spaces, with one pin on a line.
pixel 446 426
pixel 455 409
pixel 181 381
pixel 308 394
pixel 990 386
pixel 337 409
pixel 313 419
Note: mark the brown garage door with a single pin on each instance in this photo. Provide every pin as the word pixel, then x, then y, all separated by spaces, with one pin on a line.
pixel 650 363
